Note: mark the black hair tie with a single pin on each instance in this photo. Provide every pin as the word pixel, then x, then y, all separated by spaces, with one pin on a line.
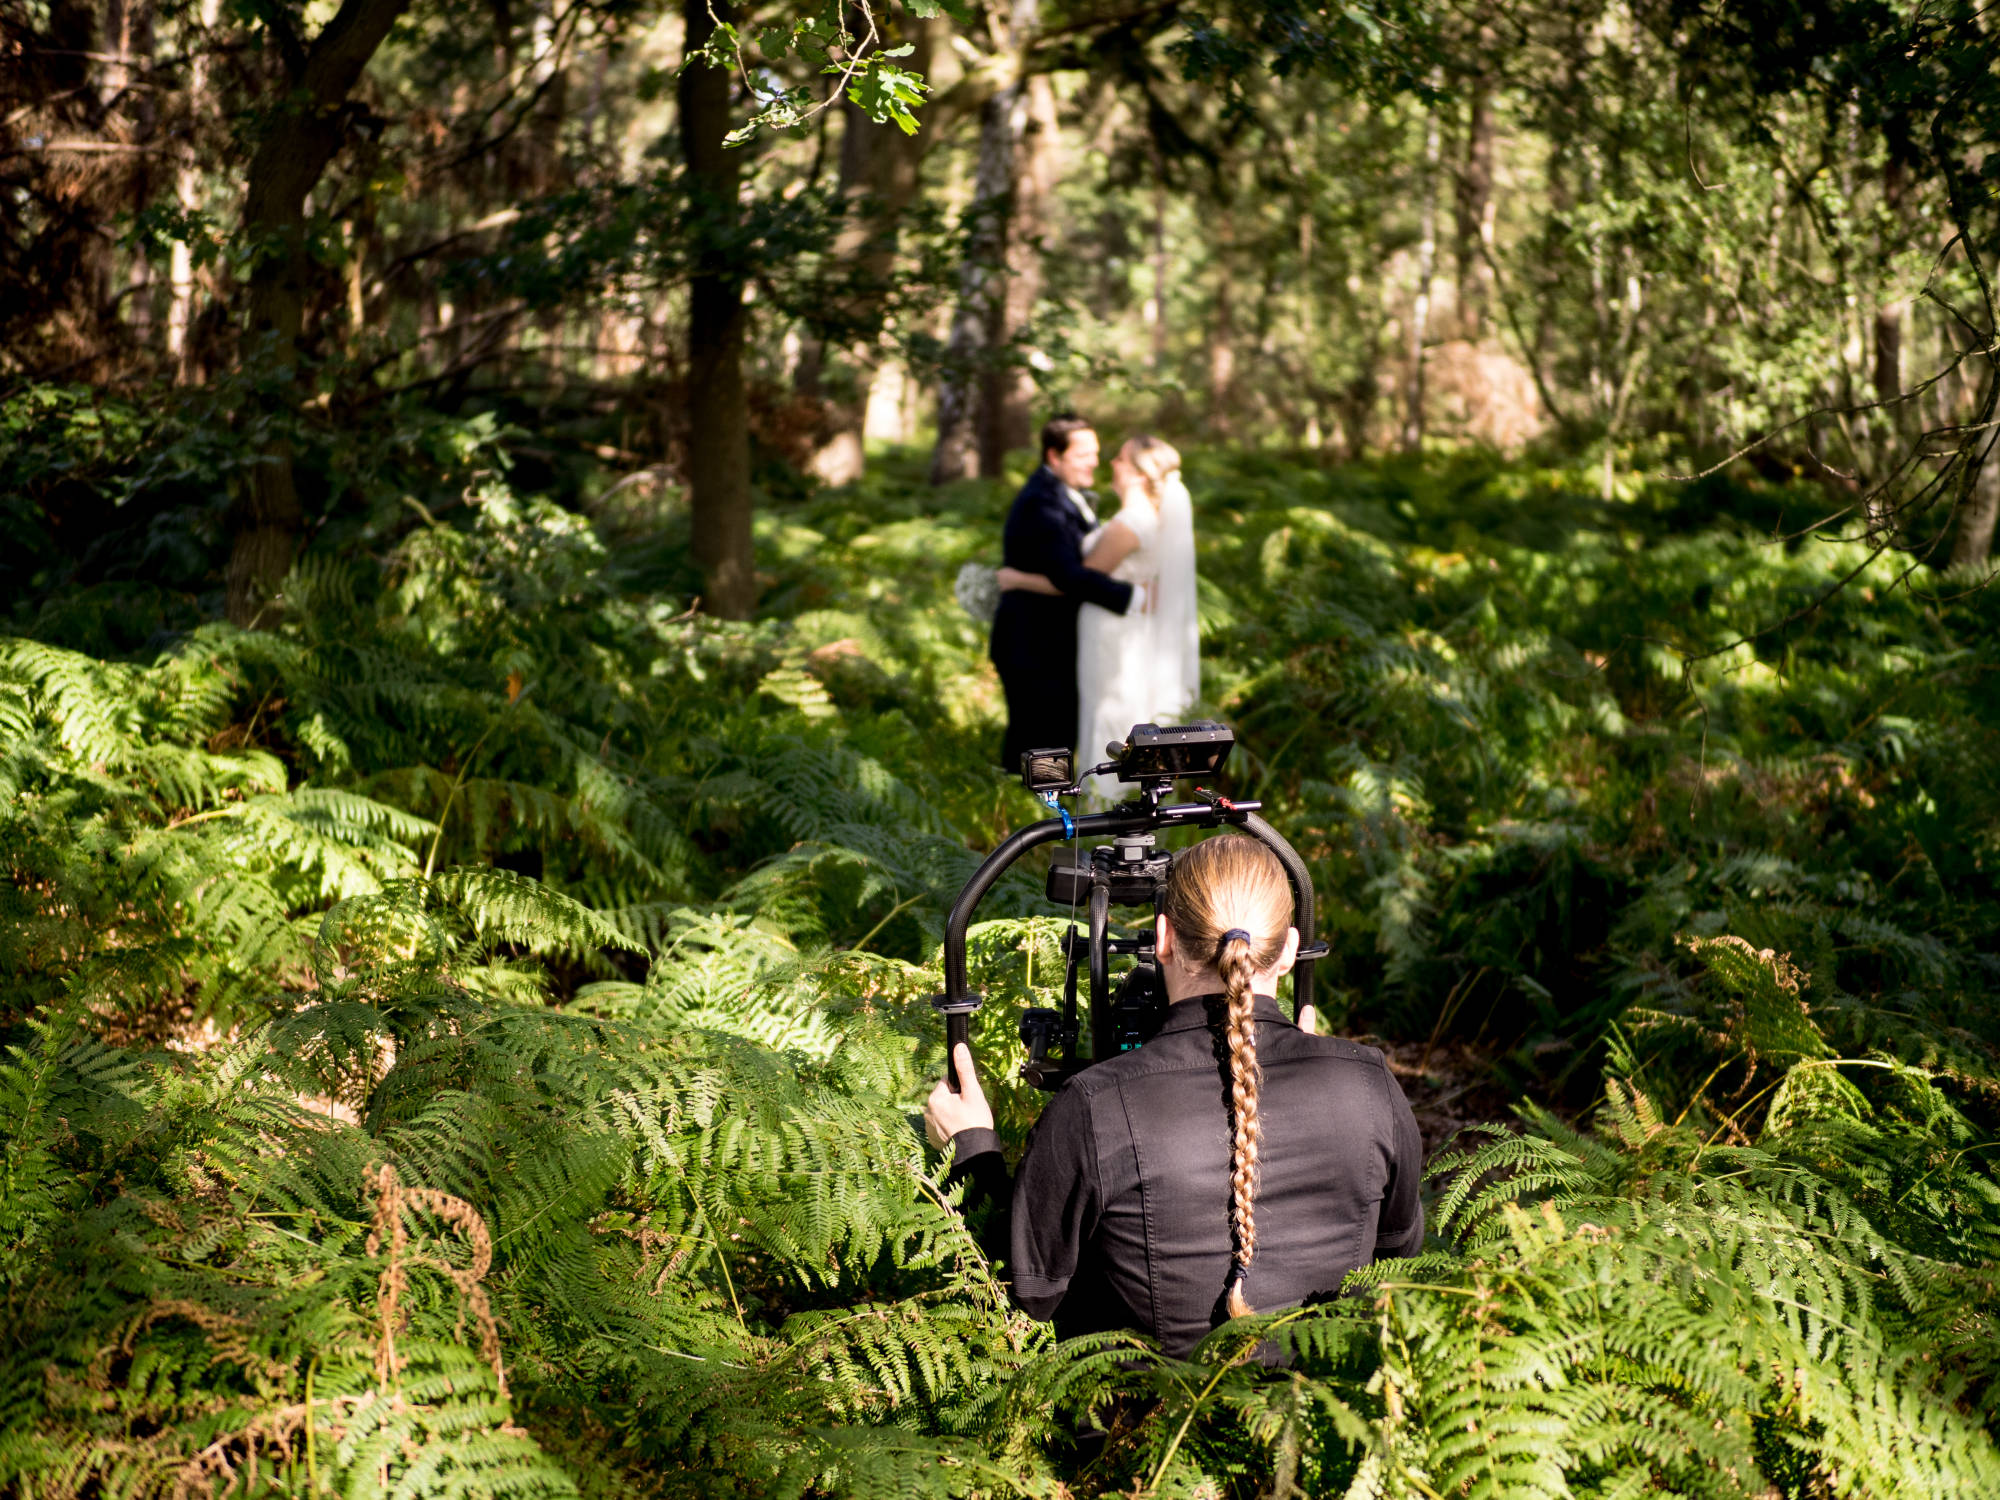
pixel 1234 932
pixel 1234 1279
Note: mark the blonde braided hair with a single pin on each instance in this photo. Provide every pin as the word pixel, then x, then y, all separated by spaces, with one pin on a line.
pixel 1228 897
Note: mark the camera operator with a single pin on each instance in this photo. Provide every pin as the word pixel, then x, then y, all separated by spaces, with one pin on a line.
pixel 1232 1160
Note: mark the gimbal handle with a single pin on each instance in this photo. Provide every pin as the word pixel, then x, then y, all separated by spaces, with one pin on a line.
pixel 958 1003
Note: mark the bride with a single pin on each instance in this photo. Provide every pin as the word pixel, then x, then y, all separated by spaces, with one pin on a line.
pixel 1143 666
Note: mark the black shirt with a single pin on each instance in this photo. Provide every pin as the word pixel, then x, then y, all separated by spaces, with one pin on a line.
pixel 1120 1211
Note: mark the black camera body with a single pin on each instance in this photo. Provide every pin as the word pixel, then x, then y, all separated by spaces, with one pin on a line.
pixel 1129 871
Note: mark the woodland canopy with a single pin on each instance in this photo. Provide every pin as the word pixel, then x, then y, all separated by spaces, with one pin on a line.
pixel 487 741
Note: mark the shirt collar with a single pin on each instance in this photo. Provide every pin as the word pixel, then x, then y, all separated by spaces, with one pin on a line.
pixel 1199 1012
pixel 1076 497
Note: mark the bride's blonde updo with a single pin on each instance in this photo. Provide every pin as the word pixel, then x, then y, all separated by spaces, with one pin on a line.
pixel 1157 461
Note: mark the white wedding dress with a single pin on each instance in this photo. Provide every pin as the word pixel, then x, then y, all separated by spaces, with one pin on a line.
pixel 1144 666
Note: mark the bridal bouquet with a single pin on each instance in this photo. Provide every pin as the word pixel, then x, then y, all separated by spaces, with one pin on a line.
pixel 978 591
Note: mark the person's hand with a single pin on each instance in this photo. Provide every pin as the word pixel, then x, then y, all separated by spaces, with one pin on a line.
pixel 947 1113
pixel 1308 1020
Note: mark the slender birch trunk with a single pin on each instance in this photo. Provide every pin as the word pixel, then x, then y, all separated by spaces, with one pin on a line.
pixel 187 196
pixel 982 281
pixel 981 284
pixel 1008 390
pixel 880 175
pixel 1159 328
pixel 1420 310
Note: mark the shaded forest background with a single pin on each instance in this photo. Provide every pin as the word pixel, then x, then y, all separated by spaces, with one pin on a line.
pixel 487 741
pixel 1647 234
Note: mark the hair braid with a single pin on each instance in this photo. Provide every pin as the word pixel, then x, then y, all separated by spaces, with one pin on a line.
pixel 1246 1130
pixel 1213 887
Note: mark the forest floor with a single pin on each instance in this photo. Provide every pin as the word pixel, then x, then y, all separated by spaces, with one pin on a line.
pixel 1450 1086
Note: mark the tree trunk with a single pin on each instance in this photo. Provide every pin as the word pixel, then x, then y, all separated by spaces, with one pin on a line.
pixel 1892 423
pixel 1159 328
pixel 1420 309
pixel 982 277
pixel 1972 538
pixel 303 135
pixel 982 281
pixel 1972 545
pixel 1222 338
pixel 1475 209
pixel 718 405
pixel 140 108
pixel 1888 358
pixel 880 172
pixel 1889 316
pixel 839 452
pixel 1008 390
pixel 187 194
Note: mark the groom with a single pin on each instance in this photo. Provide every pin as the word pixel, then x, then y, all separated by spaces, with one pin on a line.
pixel 1034 635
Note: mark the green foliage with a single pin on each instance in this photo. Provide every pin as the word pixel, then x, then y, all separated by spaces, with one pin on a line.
pixel 467 1038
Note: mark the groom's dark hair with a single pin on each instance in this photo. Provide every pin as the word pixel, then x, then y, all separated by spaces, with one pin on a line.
pixel 1057 431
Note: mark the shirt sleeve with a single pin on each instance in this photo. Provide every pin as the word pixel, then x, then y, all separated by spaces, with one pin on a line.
pixel 1400 1230
pixel 1057 1203
pixel 989 1194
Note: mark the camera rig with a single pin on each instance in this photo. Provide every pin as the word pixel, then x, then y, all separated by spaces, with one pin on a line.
pixel 1128 871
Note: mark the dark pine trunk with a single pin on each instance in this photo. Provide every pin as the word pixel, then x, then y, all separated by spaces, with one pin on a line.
pixel 718 406
pixel 1475 208
pixel 1889 316
pixel 306 129
pixel 1892 423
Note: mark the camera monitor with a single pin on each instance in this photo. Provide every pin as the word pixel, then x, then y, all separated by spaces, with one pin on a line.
pixel 1157 753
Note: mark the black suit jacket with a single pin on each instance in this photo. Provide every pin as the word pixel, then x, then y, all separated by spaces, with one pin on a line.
pixel 1034 635
pixel 1045 535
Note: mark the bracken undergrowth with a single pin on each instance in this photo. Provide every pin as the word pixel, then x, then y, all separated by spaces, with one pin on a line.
pixel 466 1039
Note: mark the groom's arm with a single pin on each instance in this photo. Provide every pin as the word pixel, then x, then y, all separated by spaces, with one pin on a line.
pixel 1091 586
pixel 1061 562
